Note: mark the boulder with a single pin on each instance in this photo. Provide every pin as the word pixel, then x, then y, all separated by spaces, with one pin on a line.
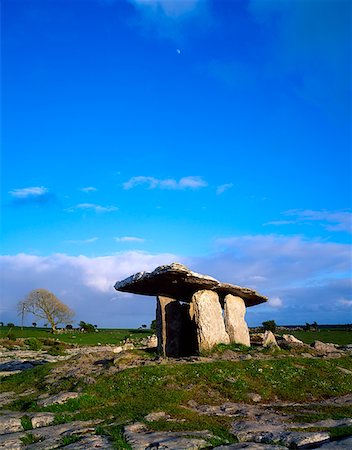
pixel 290 339
pixel 10 425
pixel 236 326
pixel 209 320
pixel 42 419
pixel 269 339
pixel 324 347
pixel 177 281
pixel 152 341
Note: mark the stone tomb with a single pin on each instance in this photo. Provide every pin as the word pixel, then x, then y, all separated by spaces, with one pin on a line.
pixel 194 312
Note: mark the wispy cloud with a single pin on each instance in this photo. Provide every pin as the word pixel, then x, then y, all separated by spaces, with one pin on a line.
pixel 34 191
pixel 82 241
pixel 275 302
pixel 88 189
pixel 171 19
pixel 34 195
pixel 330 220
pixel 168 8
pixel 92 207
pixel 346 303
pixel 305 280
pixel 280 222
pixel 129 239
pixel 223 187
pixel 190 182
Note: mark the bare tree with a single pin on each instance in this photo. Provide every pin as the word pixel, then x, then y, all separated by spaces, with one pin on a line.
pixel 45 305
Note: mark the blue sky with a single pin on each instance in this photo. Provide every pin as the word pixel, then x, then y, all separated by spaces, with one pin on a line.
pixel 213 133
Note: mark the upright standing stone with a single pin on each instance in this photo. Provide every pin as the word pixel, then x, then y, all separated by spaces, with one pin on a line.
pixel 236 326
pixel 209 320
pixel 169 315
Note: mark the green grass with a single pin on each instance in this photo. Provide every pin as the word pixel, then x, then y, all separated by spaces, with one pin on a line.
pixel 30 438
pixel 26 423
pixel 67 440
pixel 119 398
pixel 335 336
pixel 102 336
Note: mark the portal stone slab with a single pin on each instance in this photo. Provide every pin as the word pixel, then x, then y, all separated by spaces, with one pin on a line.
pixel 235 324
pixel 209 320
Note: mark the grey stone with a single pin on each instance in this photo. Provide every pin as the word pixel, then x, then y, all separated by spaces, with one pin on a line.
pixel 343 370
pixel 341 444
pixel 42 419
pixel 254 397
pixel 10 425
pixel 90 442
pixel 235 324
pixel 299 440
pixel 58 399
pixel 176 329
pixel 324 347
pixel 117 349
pixel 249 446
pixel 209 320
pixel 169 326
pixel 152 341
pixel 177 281
pixel 160 415
pixel 269 339
pixel 128 346
pixel 50 436
pixel 140 438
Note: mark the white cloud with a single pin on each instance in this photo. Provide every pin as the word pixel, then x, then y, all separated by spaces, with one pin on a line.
pixel 88 189
pixel 128 239
pixel 330 220
pixel 275 302
pixel 190 182
pixel 24 193
pixel 83 283
pixel 82 241
pixel 223 187
pixel 305 280
pixel 93 207
pixel 346 303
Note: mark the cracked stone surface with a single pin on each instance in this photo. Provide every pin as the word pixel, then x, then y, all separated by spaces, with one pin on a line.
pixel 140 438
pixel 51 436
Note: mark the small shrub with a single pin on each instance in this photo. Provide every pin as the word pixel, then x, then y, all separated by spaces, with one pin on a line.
pixel 11 336
pixel 33 344
pixel 269 325
pixel 26 423
pixel 30 438
pixel 67 440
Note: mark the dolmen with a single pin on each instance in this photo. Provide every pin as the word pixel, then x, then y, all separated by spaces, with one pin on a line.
pixel 194 312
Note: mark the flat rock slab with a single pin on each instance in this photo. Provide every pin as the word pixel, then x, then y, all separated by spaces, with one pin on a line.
pixel 177 281
pixel 140 438
pixel 51 436
pixel 58 399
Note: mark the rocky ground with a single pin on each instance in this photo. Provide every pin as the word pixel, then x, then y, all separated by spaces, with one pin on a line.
pixel 256 425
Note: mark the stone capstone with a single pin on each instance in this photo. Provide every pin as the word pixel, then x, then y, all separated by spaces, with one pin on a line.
pixel 177 281
pixel 235 324
pixel 210 323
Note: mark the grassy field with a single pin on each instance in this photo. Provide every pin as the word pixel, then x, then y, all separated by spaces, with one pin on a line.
pixel 102 336
pixel 335 336
pixel 127 396
pixel 115 336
